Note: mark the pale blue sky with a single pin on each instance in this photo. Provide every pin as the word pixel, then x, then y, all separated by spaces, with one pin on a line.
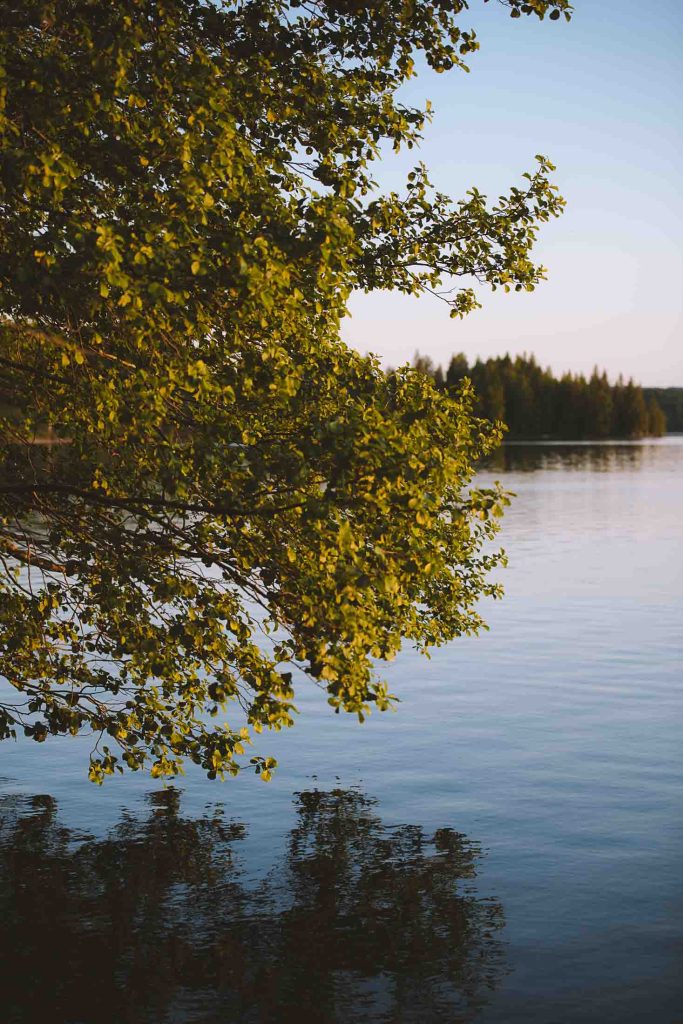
pixel 601 96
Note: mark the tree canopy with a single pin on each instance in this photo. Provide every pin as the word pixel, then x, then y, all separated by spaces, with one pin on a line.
pixel 232 500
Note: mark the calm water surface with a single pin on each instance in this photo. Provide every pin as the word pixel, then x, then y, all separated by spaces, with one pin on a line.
pixel 507 847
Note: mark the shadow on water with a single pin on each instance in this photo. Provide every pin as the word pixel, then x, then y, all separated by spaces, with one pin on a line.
pixel 157 922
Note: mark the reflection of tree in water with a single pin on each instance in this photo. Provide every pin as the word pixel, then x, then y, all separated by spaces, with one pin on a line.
pixel 358 922
pixel 595 458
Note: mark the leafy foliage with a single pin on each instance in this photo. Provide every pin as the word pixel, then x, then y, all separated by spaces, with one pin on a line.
pixel 187 203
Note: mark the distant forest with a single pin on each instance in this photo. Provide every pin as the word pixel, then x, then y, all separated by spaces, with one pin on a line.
pixel 536 404
pixel 671 402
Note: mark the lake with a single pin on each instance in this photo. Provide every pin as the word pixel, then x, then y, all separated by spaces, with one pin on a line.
pixel 506 847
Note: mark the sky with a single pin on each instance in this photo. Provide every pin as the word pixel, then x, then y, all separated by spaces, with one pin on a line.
pixel 602 97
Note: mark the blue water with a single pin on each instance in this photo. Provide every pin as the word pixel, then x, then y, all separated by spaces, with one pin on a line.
pixel 506 847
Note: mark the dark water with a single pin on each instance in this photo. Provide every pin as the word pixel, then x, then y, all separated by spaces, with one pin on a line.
pixel 507 847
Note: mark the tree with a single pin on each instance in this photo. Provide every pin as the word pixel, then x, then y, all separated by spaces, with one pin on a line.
pixel 670 401
pixel 457 370
pixel 487 378
pixel 423 365
pixel 187 203
pixel 630 410
pixel 599 405
pixel 656 420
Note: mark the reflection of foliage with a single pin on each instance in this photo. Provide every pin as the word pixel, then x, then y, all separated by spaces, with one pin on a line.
pixel 377 916
pixel 359 922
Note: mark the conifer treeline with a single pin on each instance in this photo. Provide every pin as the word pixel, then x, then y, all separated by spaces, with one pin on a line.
pixel 535 404
pixel 671 402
